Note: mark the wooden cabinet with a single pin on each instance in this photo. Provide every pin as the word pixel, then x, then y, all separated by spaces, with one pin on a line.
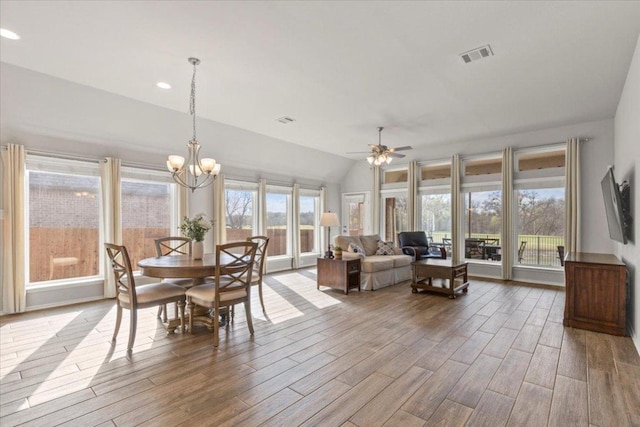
pixel 596 296
pixel 339 273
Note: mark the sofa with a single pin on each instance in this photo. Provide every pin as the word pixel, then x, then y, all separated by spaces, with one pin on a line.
pixel 376 271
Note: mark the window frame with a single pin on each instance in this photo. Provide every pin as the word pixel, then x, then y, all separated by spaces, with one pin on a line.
pixel 315 194
pixel 140 174
pixel 61 166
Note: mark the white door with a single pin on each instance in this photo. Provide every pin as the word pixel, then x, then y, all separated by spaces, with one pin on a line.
pixel 356 214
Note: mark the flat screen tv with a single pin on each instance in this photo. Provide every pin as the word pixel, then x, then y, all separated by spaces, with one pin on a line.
pixel 614 207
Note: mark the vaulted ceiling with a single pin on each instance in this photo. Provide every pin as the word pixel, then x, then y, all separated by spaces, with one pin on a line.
pixel 341 69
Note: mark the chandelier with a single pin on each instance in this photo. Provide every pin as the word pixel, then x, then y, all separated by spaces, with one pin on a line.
pixel 194 172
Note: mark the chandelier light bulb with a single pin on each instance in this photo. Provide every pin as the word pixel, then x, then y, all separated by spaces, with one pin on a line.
pixel 208 165
pixel 175 163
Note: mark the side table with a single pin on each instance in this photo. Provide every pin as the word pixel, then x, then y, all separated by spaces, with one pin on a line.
pixel 339 273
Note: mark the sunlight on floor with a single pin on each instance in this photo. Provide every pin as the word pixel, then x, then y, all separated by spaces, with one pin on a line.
pixel 306 288
pixel 286 312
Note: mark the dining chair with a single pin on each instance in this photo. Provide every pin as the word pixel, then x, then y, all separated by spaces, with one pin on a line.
pixel 259 265
pixel 231 286
pixel 167 246
pixel 133 297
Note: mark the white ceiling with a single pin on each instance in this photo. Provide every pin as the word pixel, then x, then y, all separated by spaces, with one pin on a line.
pixel 342 68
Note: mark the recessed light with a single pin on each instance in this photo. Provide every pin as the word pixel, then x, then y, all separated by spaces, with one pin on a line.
pixel 8 34
pixel 163 85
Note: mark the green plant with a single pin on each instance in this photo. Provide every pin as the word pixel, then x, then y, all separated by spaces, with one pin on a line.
pixel 196 228
pixel 337 249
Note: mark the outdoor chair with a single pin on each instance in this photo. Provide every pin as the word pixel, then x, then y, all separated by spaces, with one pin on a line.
pixel 523 245
pixel 561 255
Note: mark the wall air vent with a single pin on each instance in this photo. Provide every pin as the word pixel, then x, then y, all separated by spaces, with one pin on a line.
pixel 286 120
pixel 476 54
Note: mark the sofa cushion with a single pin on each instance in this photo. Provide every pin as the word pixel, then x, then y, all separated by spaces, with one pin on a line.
pixel 351 255
pixel 343 241
pixel 375 263
pixel 385 248
pixel 370 243
pixel 401 260
pixel 355 248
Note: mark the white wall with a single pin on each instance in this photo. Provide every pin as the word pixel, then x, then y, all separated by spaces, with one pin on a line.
pixel 47 113
pixel 627 167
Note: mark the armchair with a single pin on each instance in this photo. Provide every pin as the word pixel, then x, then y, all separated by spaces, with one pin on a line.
pixel 416 244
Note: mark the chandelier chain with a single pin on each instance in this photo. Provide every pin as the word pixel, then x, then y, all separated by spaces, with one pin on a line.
pixel 192 100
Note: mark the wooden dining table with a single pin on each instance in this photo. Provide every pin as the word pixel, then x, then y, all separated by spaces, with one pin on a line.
pixel 180 267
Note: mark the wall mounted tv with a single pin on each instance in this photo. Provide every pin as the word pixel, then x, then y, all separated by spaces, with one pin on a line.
pixel 616 204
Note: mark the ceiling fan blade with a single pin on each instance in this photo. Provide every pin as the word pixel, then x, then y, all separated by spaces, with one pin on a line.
pixel 406 147
pixel 374 146
pixel 396 155
pixel 358 152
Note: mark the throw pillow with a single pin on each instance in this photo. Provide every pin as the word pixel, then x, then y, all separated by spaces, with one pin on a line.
pixel 355 248
pixel 385 248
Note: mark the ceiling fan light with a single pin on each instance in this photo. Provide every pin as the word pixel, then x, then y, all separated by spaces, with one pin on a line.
pixel 389 158
pixel 370 159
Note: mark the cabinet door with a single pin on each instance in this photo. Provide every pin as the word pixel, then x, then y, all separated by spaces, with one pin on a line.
pixel 597 294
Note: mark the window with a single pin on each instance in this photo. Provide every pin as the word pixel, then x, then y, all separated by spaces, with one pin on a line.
pixel 540 196
pixel 309 221
pixel 482 197
pixel 395 215
pixel 279 220
pixel 240 210
pixel 149 211
pixel 63 219
pixel 434 202
pixel 395 176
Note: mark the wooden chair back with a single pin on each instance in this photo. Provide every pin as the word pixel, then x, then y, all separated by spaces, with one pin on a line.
pixel 261 254
pixel 235 274
pixel 173 245
pixel 121 266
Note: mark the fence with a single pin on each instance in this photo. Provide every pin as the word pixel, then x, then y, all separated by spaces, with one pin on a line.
pixel 80 246
pixel 277 239
pixel 47 244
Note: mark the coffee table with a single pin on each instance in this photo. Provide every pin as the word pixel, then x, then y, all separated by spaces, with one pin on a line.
pixel 425 270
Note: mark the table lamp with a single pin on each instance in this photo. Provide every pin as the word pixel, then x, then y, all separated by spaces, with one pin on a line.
pixel 329 219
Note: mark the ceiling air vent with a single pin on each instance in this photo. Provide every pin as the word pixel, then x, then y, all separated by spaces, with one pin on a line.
pixel 476 54
pixel 286 120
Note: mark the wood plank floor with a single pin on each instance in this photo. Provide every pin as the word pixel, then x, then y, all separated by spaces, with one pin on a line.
pixel 498 355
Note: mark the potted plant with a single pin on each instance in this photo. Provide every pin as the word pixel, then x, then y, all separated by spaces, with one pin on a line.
pixel 196 229
pixel 337 252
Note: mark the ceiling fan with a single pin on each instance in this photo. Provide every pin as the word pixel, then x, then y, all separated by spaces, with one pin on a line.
pixel 381 153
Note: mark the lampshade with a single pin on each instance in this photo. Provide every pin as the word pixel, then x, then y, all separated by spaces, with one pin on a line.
pixel 329 219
